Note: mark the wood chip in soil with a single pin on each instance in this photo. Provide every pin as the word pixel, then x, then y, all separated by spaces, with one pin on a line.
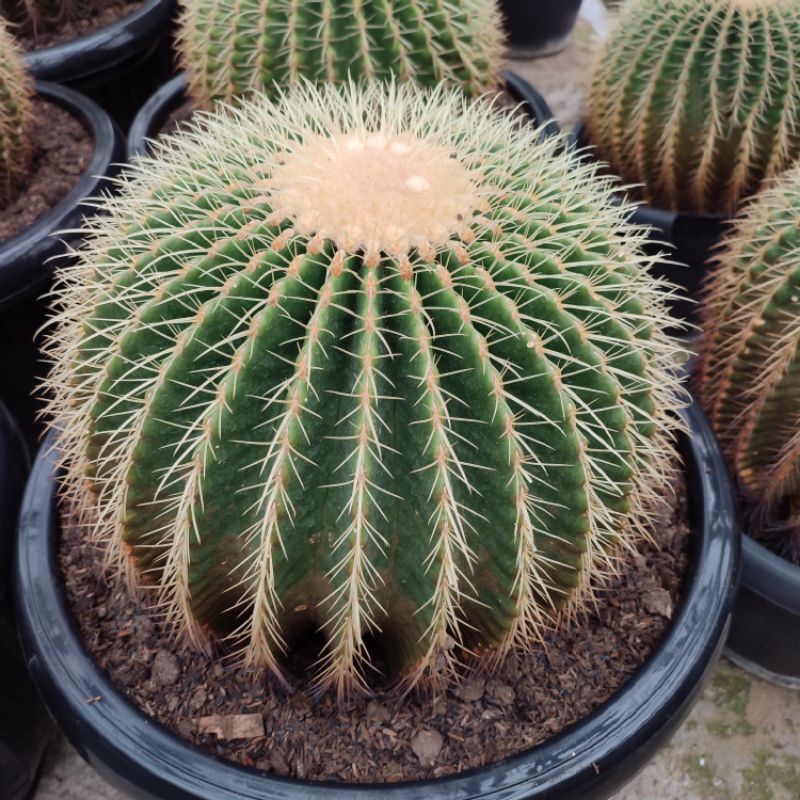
pixel 218 706
pixel 62 150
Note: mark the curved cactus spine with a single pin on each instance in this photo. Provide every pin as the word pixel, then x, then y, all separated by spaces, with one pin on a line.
pixel 697 99
pixel 749 373
pixel 15 112
pixel 369 358
pixel 231 50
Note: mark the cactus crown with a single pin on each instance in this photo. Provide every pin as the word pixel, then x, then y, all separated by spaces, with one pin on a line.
pixel 230 50
pixel 749 372
pixel 371 359
pixel 697 99
pixel 15 112
pixel 32 16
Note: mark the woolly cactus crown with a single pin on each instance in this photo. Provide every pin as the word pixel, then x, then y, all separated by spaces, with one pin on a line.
pixel 368 358
pixel 698 99
pixel 749 376
pixel 15 112
pixel 235 49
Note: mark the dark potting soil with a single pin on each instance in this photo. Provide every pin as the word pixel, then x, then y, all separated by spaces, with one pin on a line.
pixel 62 150
pixel 88 17
pixel 243 716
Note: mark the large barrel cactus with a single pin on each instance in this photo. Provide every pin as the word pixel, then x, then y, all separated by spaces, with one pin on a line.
pixel 233 49
pixel 749 374
pixel 371 359
pixel 15 111
pixel 697 99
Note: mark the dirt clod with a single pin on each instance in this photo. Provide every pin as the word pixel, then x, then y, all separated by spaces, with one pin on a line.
pixel 427 745
pixel 165 668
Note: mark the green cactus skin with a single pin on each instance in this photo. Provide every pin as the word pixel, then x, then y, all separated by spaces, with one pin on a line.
pixel 749 373
pixel 697 99
pixel 15 112
pixel 369 358
pixel 33 16
pixel 231 50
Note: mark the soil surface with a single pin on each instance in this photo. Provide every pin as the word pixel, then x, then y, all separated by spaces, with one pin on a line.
pixel 62 150
pixel 243 716
pixel 88 17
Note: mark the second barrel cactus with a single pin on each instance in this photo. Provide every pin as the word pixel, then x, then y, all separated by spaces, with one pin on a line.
pixel 231 50
pixel 371 359
pixel 749 376
pixel 15 112
pixel 697 99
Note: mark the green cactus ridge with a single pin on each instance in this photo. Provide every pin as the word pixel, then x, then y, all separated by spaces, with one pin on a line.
pixel 749 375
pixel 697 99
pixel 430 403
pixel 234 49
pixel 15 113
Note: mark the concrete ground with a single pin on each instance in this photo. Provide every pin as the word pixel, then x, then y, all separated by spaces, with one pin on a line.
pixel 741 740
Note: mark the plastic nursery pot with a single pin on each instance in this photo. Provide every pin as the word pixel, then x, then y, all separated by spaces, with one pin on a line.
pixel 538 27
pixel 27 260
pixel 119 65
pixel 589 761
pixel 14 466
pixel 24 725
pixel 166 100
pixel 690 241
pixel 765 629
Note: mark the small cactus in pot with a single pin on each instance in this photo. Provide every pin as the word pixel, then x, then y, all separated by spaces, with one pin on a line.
pixel 749 371
pixel 235 50
pixel 696 100
pixel 16 90
pixel 368 358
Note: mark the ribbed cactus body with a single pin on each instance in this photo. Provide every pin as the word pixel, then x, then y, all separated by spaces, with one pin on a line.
pixel 697 99
pixel 749 376
pixel 368 359
pixel 15 111
pixel 235 49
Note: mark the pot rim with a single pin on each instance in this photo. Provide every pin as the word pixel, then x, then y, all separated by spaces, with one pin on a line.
pixel 153 113
pixel 22 256
pixel 767 574
pixel 103 48
pixel 636 719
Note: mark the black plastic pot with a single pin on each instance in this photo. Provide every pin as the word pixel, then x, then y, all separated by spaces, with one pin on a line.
pixel 117 66
pixel 14 467
pixel 154 114
pixel 24 725
pixel 538 27
pixel 689 240
pixel 765 629
pixel 589 761
pixel 27 260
